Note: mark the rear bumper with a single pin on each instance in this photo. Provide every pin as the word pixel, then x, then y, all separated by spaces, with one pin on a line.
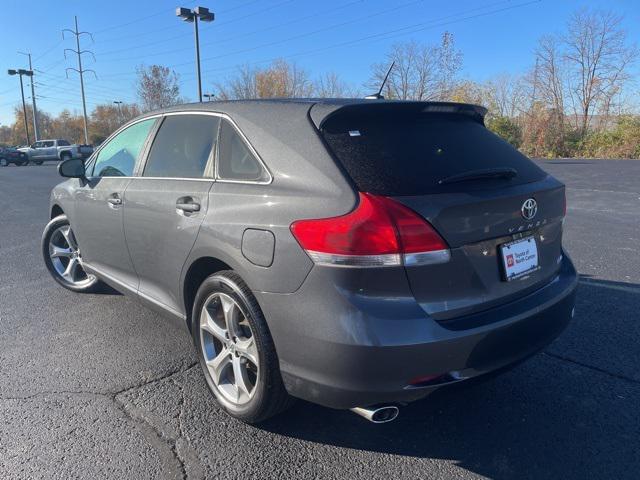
pixel 364 347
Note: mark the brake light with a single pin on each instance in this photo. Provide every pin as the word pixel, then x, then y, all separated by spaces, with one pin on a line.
pixel 378 232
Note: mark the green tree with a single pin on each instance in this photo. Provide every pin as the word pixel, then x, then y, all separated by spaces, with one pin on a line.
pixel 506 128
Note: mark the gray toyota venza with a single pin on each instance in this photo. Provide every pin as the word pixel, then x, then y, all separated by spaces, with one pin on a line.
pixel 358 254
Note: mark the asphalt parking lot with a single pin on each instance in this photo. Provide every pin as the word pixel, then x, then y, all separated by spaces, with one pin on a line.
pixel 96 386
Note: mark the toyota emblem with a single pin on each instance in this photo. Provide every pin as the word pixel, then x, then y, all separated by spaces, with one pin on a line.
pixel 529 208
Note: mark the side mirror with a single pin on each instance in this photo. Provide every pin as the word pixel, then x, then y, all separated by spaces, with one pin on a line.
pixel 72 168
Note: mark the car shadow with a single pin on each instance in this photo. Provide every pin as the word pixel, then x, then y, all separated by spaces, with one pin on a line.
pixel 569 412
pixel 107 290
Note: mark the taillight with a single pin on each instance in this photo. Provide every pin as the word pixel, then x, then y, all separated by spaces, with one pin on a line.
pixel 378 232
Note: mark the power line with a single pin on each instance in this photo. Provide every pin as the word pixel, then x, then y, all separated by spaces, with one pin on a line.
pixel 89 88
pixel 48 51
pixel 405 30
pixel 62 90
pixel 232 39
pixel 164 11
pixel 156 30
pixel 296 37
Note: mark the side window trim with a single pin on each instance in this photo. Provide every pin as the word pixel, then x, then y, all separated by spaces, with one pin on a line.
pixel 253 151
pixel 144 154
pixel 142 159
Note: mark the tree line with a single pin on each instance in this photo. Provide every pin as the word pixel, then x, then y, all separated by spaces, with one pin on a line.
pixel 577 99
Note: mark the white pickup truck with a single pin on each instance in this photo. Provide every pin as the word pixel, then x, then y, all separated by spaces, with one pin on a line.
pixel 58 149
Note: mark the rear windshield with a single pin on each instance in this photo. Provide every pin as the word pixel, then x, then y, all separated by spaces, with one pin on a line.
pixel 407 153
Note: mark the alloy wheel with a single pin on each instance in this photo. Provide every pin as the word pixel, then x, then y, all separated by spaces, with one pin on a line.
pixel 66 259
pixel 229 350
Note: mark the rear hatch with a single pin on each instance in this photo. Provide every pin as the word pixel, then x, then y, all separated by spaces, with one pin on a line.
pixel 473 187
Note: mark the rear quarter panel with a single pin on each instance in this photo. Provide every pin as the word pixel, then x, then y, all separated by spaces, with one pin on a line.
pixel 306 184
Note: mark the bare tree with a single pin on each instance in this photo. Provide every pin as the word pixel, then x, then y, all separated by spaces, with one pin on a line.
pixel 281 79
pixel 242 86
pixel 549 73
pixel 330 85
pixel 421 72
pixel 505 95
pixel 414 75
pixel 157 87
pixel 598 60
pixel 449 65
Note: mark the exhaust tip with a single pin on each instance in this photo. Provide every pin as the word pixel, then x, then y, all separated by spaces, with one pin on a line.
pixel 383 414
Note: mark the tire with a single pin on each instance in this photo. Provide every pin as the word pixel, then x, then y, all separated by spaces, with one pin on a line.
pixel 268 396
pixel 4 162
pixel 25 162
pixel 64 156
pixel 54 237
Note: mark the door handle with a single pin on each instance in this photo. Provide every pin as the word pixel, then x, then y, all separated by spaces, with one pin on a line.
pixel 115 200
pixel 189 207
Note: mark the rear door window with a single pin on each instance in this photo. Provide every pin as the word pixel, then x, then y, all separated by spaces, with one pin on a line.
pixel 407 153
pixel 184 147
pixel 236 160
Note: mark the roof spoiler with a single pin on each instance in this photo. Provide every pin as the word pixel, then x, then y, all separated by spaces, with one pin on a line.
pixel 321 114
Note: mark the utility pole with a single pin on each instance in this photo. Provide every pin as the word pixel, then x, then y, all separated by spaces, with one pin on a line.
pixel 192 16
pixel 80 69
pixel 20 72
pixel 36 132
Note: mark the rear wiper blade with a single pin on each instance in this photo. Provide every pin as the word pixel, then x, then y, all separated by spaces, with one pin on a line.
pixel 504 172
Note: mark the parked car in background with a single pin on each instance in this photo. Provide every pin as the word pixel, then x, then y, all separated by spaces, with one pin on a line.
pixel 58 149
pixel 358 254
pixel 9 155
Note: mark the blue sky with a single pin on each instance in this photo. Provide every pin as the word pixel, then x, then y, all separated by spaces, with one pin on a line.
pixel 343 36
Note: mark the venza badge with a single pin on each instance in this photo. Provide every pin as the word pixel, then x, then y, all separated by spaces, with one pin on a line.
pixel 529 208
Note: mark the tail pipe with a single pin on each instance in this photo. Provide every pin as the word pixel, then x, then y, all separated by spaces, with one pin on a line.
pixel 378 414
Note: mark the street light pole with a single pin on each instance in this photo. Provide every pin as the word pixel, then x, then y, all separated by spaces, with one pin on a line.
pixel 195 31
pixel 119 104
pixel 192 16
pixel 29 73
pixel 36 131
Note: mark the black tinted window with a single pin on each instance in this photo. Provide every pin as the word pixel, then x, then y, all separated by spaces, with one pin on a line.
pixel 63 143
pixel 407 153
pixel 183 146
pixel 236 161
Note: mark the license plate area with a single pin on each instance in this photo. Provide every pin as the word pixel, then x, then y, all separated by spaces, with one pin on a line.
pixel 519 258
